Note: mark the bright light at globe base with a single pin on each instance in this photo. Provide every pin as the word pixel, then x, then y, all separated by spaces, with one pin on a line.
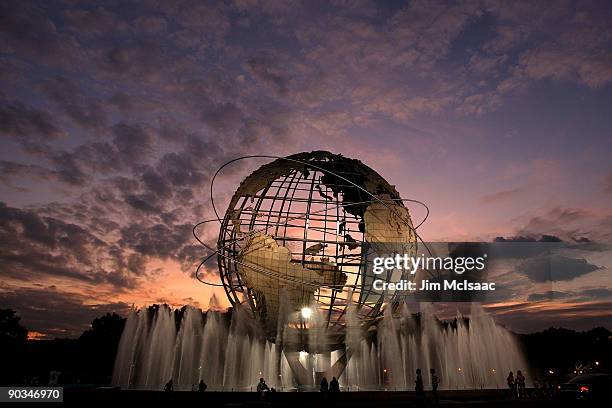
pixel 306 312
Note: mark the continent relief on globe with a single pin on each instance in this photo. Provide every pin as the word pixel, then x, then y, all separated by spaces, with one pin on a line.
pixel 267 268
pixel 388 230
pixel 388 222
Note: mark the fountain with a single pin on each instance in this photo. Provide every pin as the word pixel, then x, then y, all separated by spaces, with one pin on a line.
pixel 229 351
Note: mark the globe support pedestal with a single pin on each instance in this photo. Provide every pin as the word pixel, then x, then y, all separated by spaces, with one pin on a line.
pixel 313 379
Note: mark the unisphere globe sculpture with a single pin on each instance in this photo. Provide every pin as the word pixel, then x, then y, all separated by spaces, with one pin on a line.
pixel 292 245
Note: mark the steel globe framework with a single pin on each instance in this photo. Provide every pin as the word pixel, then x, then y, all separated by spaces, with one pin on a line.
pixel 293 236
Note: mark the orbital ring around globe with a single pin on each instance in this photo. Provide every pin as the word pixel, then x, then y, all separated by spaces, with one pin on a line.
pixel 261 266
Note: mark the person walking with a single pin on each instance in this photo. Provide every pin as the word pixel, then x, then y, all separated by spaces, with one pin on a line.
pixel 324 386
pixel 418 387
pixel 435 381
pixel 334 385
pixel 520 384
pixel 511 384
pixel 262 388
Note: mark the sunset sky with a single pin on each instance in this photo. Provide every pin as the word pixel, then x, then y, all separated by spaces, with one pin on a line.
pixel 114 115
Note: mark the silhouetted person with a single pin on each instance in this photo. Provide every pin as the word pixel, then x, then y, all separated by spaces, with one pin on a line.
pixel 324 385
pixel 435 381
pixel 169 386
pixel 334 385
pixel 511 384
pixel 202 386
pixel 262 388
pixel 520 384
pixel 418 386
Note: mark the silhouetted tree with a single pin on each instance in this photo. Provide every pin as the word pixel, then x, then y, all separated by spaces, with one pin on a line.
pixel 106 328
pixel 98 346
pixel 560 350
pixel 13 338
pixel 88 359
pixel 10 329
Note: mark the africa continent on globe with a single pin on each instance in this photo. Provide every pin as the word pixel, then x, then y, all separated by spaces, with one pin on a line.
pixel 293 238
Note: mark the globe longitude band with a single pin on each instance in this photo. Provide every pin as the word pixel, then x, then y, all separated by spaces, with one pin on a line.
pixel 330 295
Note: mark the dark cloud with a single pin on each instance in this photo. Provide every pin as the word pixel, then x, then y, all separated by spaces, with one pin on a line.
pixel 181 169
pixel 157 240
pixel 141 203
pixel 133 142
pixel 156 184
pixel 569 224
pixel 555 268
pixel 31 127
pixel 596 293
pixel 29 32
pixel 172 130
pixel 10 169
pixel 139 60
pixel 555 218
pixel 98 21
pixel 524 318
pixel 129 147
pixel 69 168
pixel 581 295
pixel 549 295
pixel 550 238
pixel 75 168
pixel 143 61
pixel 524 246
pixel 210 21
pixel 501 196
pixel 37 245
pixel 523 238
pixel 100 157
pixel 55 313
pixel 223 117
pixel 67 94
pixel 267 68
